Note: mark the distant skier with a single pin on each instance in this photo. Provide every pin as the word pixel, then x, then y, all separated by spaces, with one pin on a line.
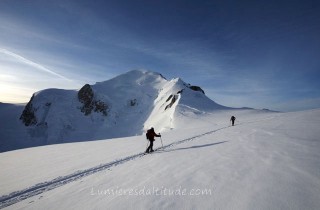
pixel 232 120
pixel 150 136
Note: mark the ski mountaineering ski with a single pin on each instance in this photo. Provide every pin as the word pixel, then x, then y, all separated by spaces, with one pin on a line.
pixel 154 151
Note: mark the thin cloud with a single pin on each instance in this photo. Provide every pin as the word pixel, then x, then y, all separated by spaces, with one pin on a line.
pixel 31 63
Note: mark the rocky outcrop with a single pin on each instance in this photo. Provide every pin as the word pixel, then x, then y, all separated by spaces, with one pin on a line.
pixel 100 106
pixel 169 98
pixel 180 91
pixel 28 116
pixel 86 97
pixel 173 97
pixel 196 88
pixel 173 100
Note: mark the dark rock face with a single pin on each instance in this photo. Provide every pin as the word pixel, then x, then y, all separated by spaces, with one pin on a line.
pixel 100 106
pixel 28 117
pixel 169 98
pixel 180 91
pixel 173 100
pixel 86 97
pixel 196 88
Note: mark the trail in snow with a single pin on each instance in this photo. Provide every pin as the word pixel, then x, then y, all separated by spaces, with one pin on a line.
pixel 37 189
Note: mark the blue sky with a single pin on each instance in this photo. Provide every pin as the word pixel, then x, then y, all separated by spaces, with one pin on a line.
pixel 260 54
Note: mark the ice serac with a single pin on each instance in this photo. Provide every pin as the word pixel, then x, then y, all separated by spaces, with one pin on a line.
pixel 126 105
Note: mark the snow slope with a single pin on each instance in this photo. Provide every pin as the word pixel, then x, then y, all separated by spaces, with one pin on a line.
pixel 267 161
pixel 124 106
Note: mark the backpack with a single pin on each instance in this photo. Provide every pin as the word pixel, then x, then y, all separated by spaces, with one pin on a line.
pixel 148 134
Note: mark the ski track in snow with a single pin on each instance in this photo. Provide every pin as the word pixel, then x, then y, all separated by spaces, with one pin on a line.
pixel 15 197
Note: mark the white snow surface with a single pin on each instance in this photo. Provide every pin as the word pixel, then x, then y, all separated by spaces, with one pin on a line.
pixel 266 161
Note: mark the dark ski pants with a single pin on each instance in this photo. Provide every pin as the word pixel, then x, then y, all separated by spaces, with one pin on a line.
pixel 232 122
pixel 150 149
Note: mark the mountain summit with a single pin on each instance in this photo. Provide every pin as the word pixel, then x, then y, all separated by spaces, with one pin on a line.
pixel 126 105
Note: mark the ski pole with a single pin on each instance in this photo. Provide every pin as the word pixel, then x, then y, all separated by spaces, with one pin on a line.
pixel 161 141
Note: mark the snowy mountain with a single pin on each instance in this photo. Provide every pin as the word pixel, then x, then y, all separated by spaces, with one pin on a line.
pixel 266 161
pixel 124 106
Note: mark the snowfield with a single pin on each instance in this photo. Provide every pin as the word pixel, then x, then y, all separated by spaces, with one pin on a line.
pixel 267 160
